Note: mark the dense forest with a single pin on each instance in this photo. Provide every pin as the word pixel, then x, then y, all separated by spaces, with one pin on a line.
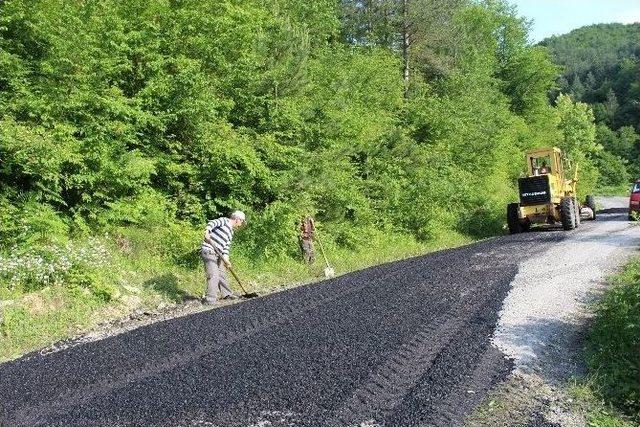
pixel 412 115
pixel 124 126
pixel 601 67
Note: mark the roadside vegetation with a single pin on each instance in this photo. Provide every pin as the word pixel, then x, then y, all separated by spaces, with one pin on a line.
pixel 124 126
pixel 614 190
pixel 610 395
pixel 596 410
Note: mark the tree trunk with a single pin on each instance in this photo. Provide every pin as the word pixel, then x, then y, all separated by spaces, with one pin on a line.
pixel 405 44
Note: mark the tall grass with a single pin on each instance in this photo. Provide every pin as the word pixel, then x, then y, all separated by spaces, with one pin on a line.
pixel 614 343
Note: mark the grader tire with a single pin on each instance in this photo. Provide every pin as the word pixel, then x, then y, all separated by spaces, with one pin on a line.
pixel 568 213
pixel 513 220
pixel 591 202
pixel 576 205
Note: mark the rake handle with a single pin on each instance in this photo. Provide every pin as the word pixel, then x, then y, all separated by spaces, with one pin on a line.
pixel 326 261
pixel 228 267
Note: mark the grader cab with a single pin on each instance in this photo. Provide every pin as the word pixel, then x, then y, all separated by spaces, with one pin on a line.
pixel 547 195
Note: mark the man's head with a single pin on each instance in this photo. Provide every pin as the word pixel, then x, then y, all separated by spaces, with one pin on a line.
pixel 237 219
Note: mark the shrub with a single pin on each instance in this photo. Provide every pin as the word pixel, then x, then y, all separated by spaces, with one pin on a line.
pixel 180 242
pixel 613 170
pixel 148 209
pixel 30 223
pixel 66 265
pixel 272 233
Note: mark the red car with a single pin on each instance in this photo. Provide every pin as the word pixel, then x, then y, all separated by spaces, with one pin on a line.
pixel 634 201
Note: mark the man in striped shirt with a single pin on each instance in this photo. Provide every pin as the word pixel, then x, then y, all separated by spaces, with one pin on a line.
pixel 215 252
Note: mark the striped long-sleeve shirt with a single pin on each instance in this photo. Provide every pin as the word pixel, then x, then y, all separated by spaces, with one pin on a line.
pixel 220 233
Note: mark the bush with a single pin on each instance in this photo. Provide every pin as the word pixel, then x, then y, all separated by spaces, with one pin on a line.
pixel 613 170
pixel 180 242
pixel 272 233
pixel 30 223
pixel 148 209
pixel 69 265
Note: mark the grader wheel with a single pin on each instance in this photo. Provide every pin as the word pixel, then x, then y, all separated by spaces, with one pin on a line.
pixel 513 220
pixel 568 212
pixel 591 202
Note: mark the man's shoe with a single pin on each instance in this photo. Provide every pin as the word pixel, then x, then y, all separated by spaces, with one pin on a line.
pixel 206 301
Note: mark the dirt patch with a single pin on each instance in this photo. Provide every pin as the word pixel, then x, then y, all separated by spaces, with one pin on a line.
pixel 527 400
pixel 40 303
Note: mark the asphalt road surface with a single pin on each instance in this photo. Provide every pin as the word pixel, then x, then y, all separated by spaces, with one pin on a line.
pixel 402 344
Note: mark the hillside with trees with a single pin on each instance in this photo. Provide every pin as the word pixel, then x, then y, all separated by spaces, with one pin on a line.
pixel 601 67
pixel 400 125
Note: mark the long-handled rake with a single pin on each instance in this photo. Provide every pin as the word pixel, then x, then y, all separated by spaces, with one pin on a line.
pixel 329 272
pixel 235 276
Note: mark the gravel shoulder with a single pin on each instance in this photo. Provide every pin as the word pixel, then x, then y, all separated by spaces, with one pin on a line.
pixel 545 317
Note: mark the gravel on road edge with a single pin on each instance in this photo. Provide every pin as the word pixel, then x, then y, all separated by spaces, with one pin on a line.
pixel 545 318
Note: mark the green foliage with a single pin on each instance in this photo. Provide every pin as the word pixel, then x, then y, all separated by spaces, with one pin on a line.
pixel 29 222
pixel 601 67
pixel 277 226
pixel 162 115
pixel 623 144
pixel 614 341
pixel 142 120
pixel 587 399
pixel 149 209
pixel 613 170
pixel 67 265
pixel 578 141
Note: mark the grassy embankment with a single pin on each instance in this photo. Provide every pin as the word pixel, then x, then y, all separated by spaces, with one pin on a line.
pixel 610 395
pixel 71 287
pixel 618 190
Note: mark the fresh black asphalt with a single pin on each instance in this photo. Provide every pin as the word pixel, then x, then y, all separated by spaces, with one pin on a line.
pixel 401 344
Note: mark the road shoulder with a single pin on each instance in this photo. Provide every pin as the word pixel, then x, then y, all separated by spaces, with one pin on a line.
pixel 544 323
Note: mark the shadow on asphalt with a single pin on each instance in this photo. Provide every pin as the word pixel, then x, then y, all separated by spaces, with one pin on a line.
pixel 615 214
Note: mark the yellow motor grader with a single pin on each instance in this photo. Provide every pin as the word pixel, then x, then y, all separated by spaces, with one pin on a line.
pixel 546 195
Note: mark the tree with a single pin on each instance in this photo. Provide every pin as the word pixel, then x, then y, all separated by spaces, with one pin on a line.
pixel 423 31
pixel 611 105
pixel 578 139
pixel 577 90
pixel 605 58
